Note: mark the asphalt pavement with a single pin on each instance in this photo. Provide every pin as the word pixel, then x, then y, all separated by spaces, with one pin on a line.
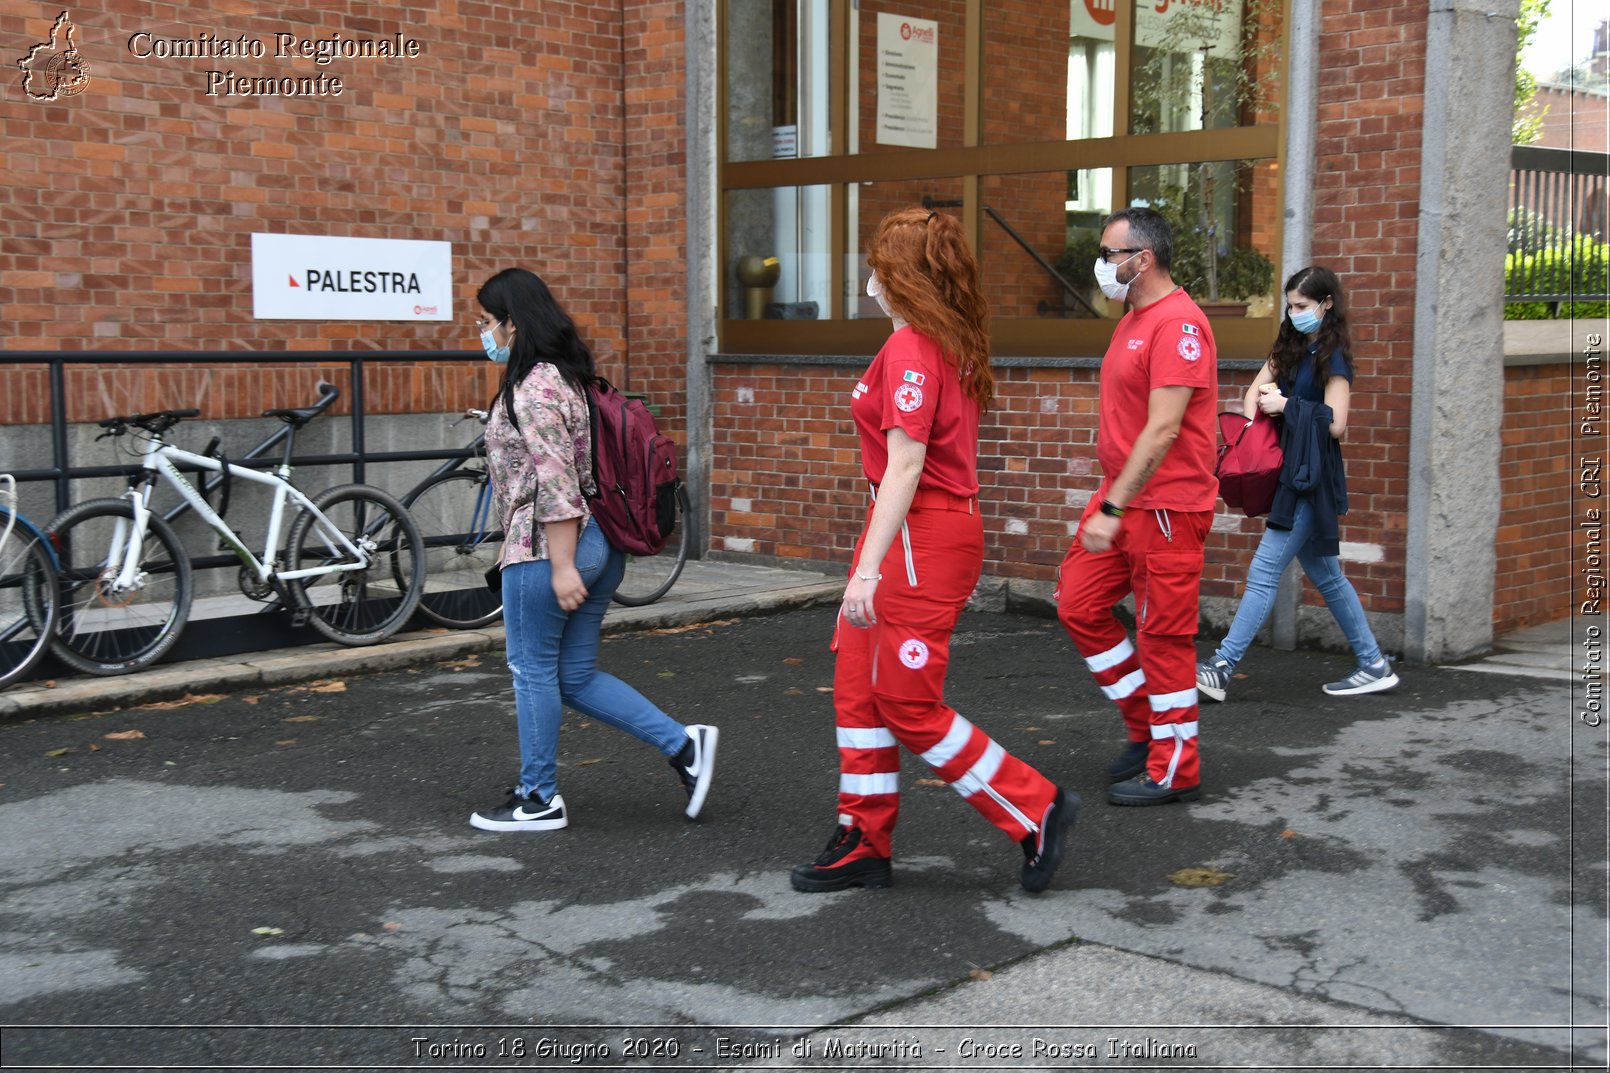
pixel 271 867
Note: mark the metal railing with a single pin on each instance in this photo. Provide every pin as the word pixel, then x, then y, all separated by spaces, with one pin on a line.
pixel 1557 226
pixel 62 472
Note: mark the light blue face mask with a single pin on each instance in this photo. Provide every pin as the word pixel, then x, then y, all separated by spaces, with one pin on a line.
pixel 499 354
pixel 1307 321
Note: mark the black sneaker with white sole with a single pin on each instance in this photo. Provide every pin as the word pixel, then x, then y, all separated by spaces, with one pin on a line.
pixel 695 765
pixel 522 814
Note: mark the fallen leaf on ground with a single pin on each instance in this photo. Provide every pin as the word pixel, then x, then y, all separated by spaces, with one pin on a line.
pixel 50 683
pixel 393 926
pixel 250 700
pixel 1048 741
pixel 695 626
pixel 94 748
pixel 667 674
pixel 1205 876
pixel 793 661
pixel 125 735
pixel 793 691
pixel 590 760
pixel 460 664
pixel 187 699
pixel 268 931
pixel 931 782
pixel 328 687
pixel 286 741
pixel 58 752
pixel 1030 730
pixel 1288 833
pixel 303 719
pixel 979 974
pixel 824 689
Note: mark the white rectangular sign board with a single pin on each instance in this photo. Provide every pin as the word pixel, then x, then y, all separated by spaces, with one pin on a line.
pixel 325 277
pixel 908 81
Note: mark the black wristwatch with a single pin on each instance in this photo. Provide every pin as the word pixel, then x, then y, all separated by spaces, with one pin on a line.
pixel 1111 509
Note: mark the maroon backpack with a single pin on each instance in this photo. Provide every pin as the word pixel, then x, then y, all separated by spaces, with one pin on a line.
pixel 1249 462
pixel 634 472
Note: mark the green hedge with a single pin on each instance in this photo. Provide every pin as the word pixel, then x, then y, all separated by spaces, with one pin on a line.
pixel 1582 267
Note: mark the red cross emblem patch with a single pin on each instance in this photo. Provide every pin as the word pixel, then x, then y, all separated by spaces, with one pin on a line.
pixel 913 653
pixel 907 397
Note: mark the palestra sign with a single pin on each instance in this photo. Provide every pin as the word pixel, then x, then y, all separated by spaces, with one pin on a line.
pixel 328 277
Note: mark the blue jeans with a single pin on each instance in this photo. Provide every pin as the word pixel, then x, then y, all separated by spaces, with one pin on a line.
pixel 1275 552
pixel 553 655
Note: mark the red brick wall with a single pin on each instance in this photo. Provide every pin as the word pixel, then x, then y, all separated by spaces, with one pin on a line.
pixel 131 204
pixel 1535 531
pixel 1579 121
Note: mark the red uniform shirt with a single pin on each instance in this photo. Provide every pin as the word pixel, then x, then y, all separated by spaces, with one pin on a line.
pixel 1166 344
pixel 910 386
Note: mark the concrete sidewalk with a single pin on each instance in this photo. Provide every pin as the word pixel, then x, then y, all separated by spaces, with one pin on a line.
pixel 707 590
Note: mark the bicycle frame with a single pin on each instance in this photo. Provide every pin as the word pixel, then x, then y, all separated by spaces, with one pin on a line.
pixel 158 460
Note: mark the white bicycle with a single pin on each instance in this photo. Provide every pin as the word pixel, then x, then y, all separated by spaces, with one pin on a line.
pixel 352 564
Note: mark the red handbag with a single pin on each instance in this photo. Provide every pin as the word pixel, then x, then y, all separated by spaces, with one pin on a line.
pixel 1249 462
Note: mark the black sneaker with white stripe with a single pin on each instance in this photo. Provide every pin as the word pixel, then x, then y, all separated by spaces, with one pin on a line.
pixel 695 765
pixel 522 814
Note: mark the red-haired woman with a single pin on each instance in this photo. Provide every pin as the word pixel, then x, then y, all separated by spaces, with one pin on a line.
pixel 916 410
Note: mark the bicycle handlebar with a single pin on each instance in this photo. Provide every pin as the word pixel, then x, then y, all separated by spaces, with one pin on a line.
pixel 156 422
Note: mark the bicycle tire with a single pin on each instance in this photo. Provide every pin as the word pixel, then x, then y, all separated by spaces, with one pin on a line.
pixel 648 577
pixel 369 604
pixel 455 515
pixel 28 601
pixel 105 633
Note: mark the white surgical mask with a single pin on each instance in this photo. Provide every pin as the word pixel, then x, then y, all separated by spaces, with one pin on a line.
pixel 1107 278
pixel 874 290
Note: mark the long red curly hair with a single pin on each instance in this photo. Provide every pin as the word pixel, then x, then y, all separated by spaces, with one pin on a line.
pixel 930 278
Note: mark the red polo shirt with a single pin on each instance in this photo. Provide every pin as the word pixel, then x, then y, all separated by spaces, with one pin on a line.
pixel 1166 344
pixel 910 386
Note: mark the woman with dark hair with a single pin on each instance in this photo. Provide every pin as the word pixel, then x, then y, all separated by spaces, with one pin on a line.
pixel 916 410
pixel 1307 384
pixel 557 570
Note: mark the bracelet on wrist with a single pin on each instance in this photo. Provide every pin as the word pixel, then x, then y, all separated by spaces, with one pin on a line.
pixel 874 577
pixel 1111 509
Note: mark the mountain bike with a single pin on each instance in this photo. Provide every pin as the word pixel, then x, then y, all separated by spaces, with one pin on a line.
pixel 28 597
pixel 351 566
pixel 457 518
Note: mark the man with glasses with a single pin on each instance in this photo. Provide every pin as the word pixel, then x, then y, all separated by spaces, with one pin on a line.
pixel 1142 532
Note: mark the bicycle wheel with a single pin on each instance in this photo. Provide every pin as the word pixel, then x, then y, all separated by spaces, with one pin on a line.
pixel 28 596
pixel 648 577
pixel 454 513
pixel 371 600
pixel 106 630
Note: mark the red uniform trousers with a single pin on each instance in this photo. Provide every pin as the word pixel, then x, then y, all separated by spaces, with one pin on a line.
pixel 889 682
pixel 1157 555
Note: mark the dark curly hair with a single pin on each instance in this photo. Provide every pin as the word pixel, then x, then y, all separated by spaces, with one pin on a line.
pixel 1291 346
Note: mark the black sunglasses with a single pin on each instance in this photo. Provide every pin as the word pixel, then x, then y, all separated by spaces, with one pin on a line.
pixel 1107 251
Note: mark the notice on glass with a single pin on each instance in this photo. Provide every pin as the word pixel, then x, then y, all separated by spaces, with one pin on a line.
pixel 908 81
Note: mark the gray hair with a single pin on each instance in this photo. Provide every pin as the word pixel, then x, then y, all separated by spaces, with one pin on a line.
pixel 1150 229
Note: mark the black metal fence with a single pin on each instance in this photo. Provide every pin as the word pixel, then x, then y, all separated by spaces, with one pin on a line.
pixel 1558 226
pixel 63 472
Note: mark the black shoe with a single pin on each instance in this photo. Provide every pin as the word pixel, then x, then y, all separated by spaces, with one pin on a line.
pixel 696 764
pixel 844 863
pixel 1129 763
pixel 1143 791
pixel 1042 851
pixel 522 814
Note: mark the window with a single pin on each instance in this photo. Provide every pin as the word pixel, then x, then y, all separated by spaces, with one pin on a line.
pixel 1030 120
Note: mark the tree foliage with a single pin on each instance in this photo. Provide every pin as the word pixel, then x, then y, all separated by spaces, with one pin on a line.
pixel 1528 124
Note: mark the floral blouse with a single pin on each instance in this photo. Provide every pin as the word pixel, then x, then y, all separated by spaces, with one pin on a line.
pixel 539 469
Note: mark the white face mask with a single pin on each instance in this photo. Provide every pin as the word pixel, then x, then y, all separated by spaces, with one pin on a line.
pixel 874 290
pixel 1107 278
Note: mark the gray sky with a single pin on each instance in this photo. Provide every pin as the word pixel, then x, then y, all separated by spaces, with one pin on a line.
pixel 1565 36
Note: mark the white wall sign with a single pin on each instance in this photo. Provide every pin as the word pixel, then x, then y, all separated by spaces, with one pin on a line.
pixel 908 81
pixel 324 277
pixel 1171 25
